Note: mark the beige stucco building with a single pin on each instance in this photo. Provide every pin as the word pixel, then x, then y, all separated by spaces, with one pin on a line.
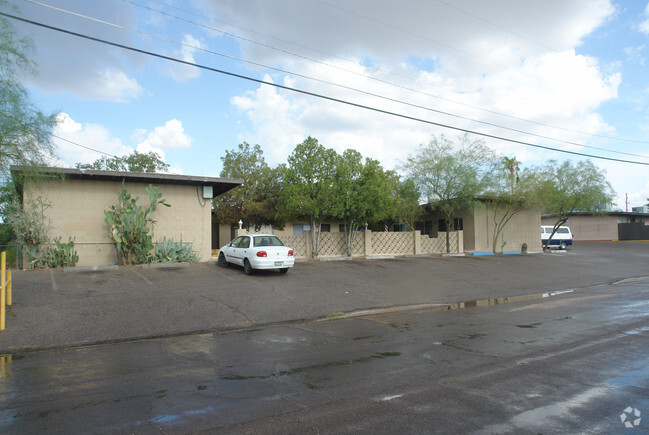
pixel 603 226
pixel 523 227
pixel 478 228
pixel 78 199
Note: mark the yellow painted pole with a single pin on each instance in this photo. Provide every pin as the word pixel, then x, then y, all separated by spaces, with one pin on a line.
pixel 9 288
pixel 3 263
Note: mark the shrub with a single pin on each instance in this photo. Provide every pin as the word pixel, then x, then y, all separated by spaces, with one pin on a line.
pixel 169 251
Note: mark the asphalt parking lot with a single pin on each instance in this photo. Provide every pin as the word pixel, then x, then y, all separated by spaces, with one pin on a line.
pixel 55 309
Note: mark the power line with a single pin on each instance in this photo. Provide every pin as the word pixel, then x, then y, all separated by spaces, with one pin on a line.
pixel 83 146
pixel 377 79
pixel 313 94
pixel 417 106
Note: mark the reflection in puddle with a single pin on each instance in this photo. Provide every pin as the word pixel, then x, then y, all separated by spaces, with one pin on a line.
pixel 538 416
pixel 5 366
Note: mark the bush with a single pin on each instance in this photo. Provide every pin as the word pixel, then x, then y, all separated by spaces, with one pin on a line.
pixel 169 251
pixel 62 254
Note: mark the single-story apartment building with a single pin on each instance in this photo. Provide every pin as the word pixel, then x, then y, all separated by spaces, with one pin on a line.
pixel 605 226
pixel 77 200
pixel 477 226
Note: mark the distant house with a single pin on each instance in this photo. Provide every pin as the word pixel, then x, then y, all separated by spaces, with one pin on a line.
pixel 615 225
pixel 79 198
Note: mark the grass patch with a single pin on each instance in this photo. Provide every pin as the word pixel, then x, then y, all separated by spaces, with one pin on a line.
pixel 332 315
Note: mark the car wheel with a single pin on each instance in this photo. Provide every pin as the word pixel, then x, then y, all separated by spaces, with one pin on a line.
pixel 222 261
pixel 247 268
pixel 284 270
pixel 563 246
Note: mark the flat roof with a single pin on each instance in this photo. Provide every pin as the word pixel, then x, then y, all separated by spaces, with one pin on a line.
pixel 600 213
pixel 219 185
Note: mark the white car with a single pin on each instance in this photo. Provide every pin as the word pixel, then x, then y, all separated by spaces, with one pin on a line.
pixel 257 251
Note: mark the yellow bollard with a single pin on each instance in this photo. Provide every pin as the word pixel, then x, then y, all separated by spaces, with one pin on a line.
pixel 3 263
pixel 9 288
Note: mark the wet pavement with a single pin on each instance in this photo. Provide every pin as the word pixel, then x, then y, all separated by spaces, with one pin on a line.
pixel 56 309
pixel 571 362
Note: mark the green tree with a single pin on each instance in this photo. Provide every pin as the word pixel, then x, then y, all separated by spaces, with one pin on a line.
pixel 564 188
pixel 256 201
pixel 363 192
pixel 511 167
pixel 25 131
pixel 406 207
pixel 310 190
pixel 135 162
pixel 509 194
pixel 451 176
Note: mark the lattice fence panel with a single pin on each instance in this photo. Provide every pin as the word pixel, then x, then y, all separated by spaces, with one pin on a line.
pixel 332 245
pixel 358 249
pixel 438 245
pixel 396 243
pixel 298 243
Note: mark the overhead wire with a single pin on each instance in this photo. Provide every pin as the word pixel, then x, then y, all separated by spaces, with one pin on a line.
pixel 417 106
pixel 419 91
pixel 312 94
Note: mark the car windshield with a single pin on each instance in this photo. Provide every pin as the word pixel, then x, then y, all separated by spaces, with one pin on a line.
pixel 268 241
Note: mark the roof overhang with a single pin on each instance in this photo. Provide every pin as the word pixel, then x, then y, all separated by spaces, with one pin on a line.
pixel 219 185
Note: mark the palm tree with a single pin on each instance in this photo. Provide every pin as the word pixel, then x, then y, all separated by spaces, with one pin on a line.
pixel 512 166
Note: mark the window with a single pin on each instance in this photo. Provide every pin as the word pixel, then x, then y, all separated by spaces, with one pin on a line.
pixel 325 228
pixel 441 225
pixel 268 241
pixel 457 224
pixel 244 242
pixel 563 231
pixel 298 230
pixel 341 228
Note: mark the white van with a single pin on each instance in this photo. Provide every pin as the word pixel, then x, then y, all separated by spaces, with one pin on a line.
pixel 562 238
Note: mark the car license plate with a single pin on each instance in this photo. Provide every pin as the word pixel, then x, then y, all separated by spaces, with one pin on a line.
pixel 279 263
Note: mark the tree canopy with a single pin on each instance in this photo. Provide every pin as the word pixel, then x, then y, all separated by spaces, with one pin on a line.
pixel 564 188
pixel 25 131
pixel 310 186
pixel 451 175
pixel 135 162
pixel 256 201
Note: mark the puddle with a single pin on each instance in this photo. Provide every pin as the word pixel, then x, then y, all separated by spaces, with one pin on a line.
pixel 631 378
pixel 531 325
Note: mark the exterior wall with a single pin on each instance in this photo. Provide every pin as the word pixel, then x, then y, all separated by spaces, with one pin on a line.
pixel 590 227
pixel 78 211
pixel 524 227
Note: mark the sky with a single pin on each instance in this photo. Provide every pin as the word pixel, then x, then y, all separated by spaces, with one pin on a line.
pixel 565 74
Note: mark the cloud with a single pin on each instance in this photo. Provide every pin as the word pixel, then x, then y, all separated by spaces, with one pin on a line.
pixel 78 66
pixel 180 72
pixel 169 136
pixel 471 31
pixel 644 25
pixel 517 59
pixel 84 136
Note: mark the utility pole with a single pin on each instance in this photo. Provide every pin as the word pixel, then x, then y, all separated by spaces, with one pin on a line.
pixel 627 202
